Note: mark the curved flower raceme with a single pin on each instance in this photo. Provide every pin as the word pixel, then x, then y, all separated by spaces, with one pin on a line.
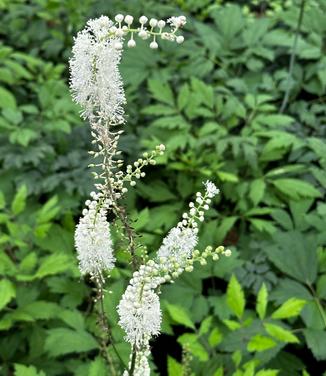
pixel 93 241
pixel 95 80
pixel 139 309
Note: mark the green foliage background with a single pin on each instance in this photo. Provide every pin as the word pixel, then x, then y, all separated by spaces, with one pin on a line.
pixel 214 102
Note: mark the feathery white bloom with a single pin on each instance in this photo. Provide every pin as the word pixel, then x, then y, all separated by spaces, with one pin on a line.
pixel 179 243
pixel 95 80
pixel 93 241
pixel 140 316
pixel 211 189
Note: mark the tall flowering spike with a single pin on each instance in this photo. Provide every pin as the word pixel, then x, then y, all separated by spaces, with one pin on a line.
pixel 95 79
pixel 93 241
pixel 182 240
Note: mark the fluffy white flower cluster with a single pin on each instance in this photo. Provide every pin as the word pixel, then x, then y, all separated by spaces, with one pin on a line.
pixel 139 309
pixel 179 243
pixel 95 80
pixel 93 240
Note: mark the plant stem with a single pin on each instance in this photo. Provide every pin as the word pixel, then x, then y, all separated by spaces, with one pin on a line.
pixel 133 361
pixel 106 328
pixel 319 306
pixel 292 59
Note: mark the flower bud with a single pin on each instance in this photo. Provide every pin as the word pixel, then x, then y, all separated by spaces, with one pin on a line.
pixel 131 43
pixel 153 45
pixel 119 17
pixel 129 19
pixel 143 20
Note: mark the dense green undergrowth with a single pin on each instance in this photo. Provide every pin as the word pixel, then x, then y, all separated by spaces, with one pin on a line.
pixel 215 103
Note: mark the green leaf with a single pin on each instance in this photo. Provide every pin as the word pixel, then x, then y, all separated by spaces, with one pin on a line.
pixel 157 191
pixel 316 341
pixel 97 367
pixel 19 202
pixel 257 189
pixel 231 324
pixel 215 337
pixel 191 343
pixel 41 310
pixel 174 368
pixel 7 99
pixel 260 343
pixel 267 372
pixel 235 297
pixel 295 255
pixel 295 188
pixel 262 300
pixel 290 308
pixel 275 120
pixel 280 333
pixel 53 264
pixel 179 315
pixel 70 341
pixel 7 292
pixel 263 225
pixel 21 370
pixel 219 371
pixel 223 229
pixel 48 211
pixel 183 97
pixel 161 91
pixel 205 325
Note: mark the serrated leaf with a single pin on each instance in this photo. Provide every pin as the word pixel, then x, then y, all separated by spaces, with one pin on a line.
pixel 21 370
pixel 53 264
pixel 70 341
pixel 97 367
pixel 19 202
pixel 235 297
pixel 263 225
pixel 7 292
pixel 48 211
pixel 260 343
pixel 262 300
pixel 183 97
pixel 290 308
pixel 161 91
pixel 257 189
pixel 179 315
pixel 295 188
pixel 280 333
pixel 316 341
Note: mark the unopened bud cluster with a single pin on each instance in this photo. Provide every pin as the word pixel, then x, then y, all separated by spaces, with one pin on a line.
pixel 147 29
